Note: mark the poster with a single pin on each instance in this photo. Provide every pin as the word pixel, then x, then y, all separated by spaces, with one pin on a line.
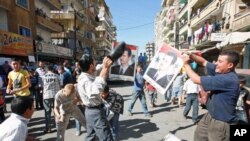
pixel 164 67
pixel 124 67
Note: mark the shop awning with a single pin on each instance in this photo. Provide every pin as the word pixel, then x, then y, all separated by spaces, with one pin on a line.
pixel 234 38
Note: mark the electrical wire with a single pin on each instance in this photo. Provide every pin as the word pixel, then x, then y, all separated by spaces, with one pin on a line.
pixel 138 26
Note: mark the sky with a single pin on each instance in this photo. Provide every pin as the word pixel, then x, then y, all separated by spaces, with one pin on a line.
pixel 134 20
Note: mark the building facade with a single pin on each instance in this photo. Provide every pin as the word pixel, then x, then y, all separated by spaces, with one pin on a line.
pixel 150 51
pixel 205 25
pixel 106 31
pixel 79 19
pixel 17 28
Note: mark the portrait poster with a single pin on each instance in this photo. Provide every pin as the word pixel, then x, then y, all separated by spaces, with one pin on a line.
pixel 124 67
pixel 163 68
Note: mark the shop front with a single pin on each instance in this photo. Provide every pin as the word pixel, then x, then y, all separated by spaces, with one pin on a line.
pixel 52 53
pixel 14 45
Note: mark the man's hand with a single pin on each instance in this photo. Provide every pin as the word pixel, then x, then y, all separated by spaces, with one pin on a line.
pixel 185 58
pixel 107 62
pixel 8 91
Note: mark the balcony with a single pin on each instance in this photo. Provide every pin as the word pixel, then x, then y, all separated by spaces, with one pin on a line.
pixel 241 21
pixel 183 28
pixel 53 4
pixel 62 16
pixel 170 33
pixel 5 4
pixel 205 13
pixel 183 11
pixel 47 23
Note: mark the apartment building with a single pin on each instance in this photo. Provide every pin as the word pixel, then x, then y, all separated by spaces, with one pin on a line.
pixel 206 25
pixel 79 20
pixel 106 31
pixel 17 29
pixel 150 50
pixel 45 27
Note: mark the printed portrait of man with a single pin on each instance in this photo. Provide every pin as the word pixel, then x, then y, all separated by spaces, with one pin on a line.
pixel 165 70
pixel 125 67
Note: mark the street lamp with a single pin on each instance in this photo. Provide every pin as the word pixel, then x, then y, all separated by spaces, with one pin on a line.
pixel 75 29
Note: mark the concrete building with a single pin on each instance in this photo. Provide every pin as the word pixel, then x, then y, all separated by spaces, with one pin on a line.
pixel 206 25
pixel 106 31
pixel 45 27
pixel 150 50
pixel 17 28
pixel 79 19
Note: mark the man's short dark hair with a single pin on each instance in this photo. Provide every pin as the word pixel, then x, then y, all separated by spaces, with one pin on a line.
pixel 20 104
pixel 129 51
pixel 16 60
pixel 106 89
pixel 85 62
pixel 50 68
pixel 233 57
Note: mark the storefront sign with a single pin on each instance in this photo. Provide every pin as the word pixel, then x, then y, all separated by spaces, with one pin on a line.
pixel 53 49
pixel 15 44
pixel 218 37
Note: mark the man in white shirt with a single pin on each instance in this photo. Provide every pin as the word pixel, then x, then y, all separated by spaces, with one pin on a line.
pixel 192 90
pixel 90 88
pixel 15 127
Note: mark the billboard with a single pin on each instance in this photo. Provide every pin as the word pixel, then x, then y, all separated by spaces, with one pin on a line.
pixel 124 67
pixel 163 68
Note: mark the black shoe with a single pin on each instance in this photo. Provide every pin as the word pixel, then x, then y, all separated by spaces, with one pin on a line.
pixel 117 52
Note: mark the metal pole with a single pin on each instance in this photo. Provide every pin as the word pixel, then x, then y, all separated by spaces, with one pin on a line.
pixel 75 48
pixel 177 25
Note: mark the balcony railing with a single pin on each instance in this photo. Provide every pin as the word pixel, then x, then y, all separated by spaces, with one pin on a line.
pixel 241 21
pixel 5 4
pixel 46 22
pixel 54 4
pixel 203 13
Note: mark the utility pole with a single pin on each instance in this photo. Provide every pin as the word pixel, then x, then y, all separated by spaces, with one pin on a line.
pixel 75 28
pixel 75 47
pixel 177 25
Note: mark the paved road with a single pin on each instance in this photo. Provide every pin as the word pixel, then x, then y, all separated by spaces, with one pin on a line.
pixel 166 118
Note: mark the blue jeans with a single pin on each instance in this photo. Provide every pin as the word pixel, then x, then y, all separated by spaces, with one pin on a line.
pixel 78 125
pixel 141 96
pixel 48 106
pixel 192 99
pixel 152 95
pixel 168 94
pixel 241 116
pixel 114 123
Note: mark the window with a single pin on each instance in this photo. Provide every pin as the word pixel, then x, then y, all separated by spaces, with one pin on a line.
pixel 24 31
pixel 23 3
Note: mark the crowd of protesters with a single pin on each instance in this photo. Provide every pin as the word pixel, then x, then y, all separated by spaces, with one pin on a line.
pixel 76 91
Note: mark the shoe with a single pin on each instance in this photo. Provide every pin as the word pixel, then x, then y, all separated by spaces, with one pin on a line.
pixel 130 114
pixel 195 122
pixel 78 133
pixel 47 131
pixel 117 52
pixel 148 115
pixel 184 117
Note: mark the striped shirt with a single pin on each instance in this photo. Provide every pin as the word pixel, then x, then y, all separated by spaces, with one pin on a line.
pixel 14 128
pixel 51 85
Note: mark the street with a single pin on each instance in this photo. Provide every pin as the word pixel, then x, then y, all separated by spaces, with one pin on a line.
pixel 166 118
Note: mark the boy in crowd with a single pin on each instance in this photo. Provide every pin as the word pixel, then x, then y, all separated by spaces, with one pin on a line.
pixel 65 107
pixel 115 104
pixel 15 127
